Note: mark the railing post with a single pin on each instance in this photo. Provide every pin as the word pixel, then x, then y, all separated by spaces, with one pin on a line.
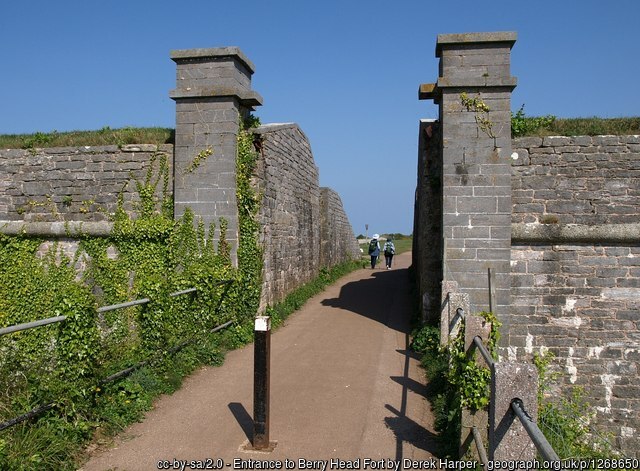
pixel 447 288
pixel 474 326
pixel 491 279
pixel 448 319
pixel 508 440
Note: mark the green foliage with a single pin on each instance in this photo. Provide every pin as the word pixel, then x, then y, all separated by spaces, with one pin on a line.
pixel 38 139
pixel 469 378
pixel 149 256
pixel 102 137
pixel 199 159
pixel 426 340
pixel 250 254
pixel 455 379
pixel 549 125
pixel 522 125
pixel 444 397
pixel 594 127
pixel 480 110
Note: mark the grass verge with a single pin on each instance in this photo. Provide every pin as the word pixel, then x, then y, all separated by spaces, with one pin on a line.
pixel 521 125
pixel 102 137
pixel 300 296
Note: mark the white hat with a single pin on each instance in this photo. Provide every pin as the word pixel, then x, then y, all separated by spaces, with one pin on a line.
pixel 376 236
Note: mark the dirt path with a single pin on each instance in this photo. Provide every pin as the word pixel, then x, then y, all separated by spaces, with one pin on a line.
pixel 343 385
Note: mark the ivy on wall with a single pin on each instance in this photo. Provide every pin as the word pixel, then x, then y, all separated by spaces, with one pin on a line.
pixel 149 256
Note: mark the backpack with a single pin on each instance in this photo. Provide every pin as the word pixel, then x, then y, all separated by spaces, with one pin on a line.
pixel 373 245
pixel 389 249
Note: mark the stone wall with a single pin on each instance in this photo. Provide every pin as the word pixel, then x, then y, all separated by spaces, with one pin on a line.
pixel 427 249
pixel 213 94
pixel 56 192
pixel 570 241
pixel 576 180
pixel 289 215
pixel 337 241
pixel 45 187
pixel 474 184
pixel 576 280
pixel 296 220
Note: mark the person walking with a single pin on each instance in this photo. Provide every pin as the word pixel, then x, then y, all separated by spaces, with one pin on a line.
pixel 389 252
pixel 374 250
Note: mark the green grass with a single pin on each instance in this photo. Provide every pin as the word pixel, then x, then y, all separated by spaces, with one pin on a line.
pixel 538 126
pixel 593 127
pixel 102 137
pixel 403 245
pixel 521 125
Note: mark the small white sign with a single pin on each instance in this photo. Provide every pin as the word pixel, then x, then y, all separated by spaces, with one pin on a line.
pixel 262 324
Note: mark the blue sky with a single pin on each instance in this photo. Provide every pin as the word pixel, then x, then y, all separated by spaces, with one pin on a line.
pixel 346 71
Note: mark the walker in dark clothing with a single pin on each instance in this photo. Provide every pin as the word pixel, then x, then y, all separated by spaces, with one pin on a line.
pixel 389 252
pixel 374 250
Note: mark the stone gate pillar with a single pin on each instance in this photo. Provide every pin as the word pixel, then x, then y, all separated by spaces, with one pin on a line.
pixel 473 93
pixel 212 95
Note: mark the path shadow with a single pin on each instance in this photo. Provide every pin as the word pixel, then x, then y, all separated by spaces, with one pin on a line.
pixel 407 430
pixel 243 418
pixel 374 297
pixel 384 297
pixel 404 428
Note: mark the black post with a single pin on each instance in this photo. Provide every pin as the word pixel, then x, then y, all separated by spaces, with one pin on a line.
pixel 261 360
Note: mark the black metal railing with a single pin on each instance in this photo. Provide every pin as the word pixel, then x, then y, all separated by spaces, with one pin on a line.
pixel 542 445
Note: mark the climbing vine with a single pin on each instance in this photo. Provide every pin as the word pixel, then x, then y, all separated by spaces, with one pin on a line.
pixel 150 255
pixel 480 112
pixel 466 375
pixel 250 253
pixel 198 160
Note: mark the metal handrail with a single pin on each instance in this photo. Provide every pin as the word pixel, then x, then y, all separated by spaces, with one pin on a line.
pixel 482 452
pixel 537 437
pixel 112 307
pixel 483 350
pixel 31 325
pixel 120 374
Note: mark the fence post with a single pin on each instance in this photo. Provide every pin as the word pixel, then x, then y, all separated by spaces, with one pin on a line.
pixel 508 440
pixel 474 326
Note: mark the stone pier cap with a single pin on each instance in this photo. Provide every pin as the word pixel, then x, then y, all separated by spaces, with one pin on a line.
pixel 507 37
pixel 193 82
pixel 460 48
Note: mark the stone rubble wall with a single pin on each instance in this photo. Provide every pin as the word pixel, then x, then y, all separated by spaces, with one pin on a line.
pixel 337 242
pixel 49 186
pixel 581 300
pixel 294 216
pixel 57 192
pixel 576 180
